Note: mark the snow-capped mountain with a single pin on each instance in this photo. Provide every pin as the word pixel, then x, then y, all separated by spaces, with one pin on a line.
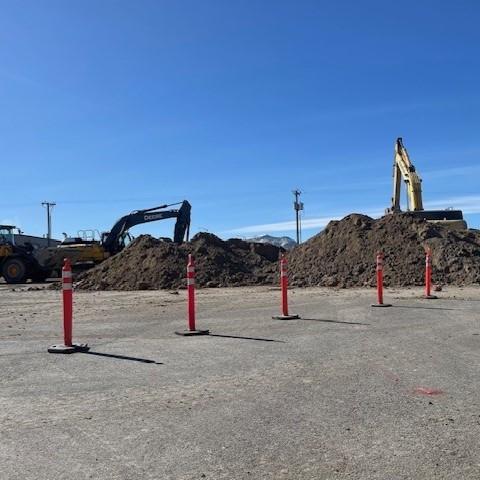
pixel 285 242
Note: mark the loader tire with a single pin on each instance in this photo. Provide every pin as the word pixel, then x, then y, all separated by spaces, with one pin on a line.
pixel 14 270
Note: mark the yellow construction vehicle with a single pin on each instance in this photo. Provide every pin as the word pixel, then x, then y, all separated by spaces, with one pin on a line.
pixel 404 169
pixel 85 253
pixel 18 262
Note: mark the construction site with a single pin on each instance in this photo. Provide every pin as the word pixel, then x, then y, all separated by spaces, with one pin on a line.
pixel 239 240
pixel 339 256
pixel 229 358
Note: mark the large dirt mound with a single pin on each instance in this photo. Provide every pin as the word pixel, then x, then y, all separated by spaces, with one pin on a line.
pixel 343 254
pixel 150 264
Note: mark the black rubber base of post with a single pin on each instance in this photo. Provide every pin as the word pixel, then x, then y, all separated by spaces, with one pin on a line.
pixel 430 297
pixel 381 305
pixel 83 347
pixel 286 317
pixel 192 333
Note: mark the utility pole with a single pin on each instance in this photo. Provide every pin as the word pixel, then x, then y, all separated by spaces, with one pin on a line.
pixel 49 206
pixel 297 206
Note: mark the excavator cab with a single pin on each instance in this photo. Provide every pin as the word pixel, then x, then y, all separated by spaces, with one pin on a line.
pixel 123 241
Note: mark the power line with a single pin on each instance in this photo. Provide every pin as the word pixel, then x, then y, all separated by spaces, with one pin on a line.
pixel 49 206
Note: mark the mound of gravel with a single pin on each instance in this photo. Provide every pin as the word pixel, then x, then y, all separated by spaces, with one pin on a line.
pixel 343 255
pixel 151 264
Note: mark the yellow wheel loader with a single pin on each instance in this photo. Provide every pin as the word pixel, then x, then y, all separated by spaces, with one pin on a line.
pixel 18 263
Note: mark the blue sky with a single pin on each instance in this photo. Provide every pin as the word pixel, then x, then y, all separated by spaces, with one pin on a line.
pixel 110 106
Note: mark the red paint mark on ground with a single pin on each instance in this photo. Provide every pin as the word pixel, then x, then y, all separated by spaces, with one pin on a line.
pixel 428 391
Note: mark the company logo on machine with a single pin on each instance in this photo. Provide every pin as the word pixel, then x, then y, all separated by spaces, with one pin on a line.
pixel 153 216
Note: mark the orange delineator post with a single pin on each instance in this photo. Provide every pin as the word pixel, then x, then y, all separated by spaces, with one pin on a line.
pixel 284 288
pixel 191 331
pixel 284 285
pixel 67 297
pixel 67 302
pixel 380 278
pixel 191 293
pixel 428 275
pixel 379 270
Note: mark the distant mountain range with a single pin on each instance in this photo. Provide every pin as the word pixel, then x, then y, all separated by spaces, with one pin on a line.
pixel 285 242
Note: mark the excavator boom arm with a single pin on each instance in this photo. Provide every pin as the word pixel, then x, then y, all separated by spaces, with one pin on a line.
pixel 403 168
pixel 182 226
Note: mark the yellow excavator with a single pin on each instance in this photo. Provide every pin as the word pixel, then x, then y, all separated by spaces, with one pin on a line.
pixel 403 169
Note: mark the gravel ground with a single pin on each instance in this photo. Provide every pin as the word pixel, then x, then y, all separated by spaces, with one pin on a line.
pixel 346 392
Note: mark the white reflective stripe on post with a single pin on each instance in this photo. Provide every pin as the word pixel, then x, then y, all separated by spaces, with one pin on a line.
pixel 190 281
pixel 283 273
pixel 190 269
pixel 66 280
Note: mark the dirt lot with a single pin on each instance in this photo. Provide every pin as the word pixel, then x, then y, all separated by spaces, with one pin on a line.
pixel 346 392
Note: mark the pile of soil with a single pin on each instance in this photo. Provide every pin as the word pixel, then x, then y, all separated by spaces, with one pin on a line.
pixel 343 255
pixel 151 264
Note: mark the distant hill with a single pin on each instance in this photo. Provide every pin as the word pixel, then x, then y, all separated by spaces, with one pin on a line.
pixel 285 242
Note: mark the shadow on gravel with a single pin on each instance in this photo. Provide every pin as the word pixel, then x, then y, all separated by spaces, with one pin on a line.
pixel 423 308
pixel 246 338
pixel 122 357
pixel 332 321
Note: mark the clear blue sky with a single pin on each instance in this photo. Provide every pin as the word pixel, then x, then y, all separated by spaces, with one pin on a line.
pixel 110 106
